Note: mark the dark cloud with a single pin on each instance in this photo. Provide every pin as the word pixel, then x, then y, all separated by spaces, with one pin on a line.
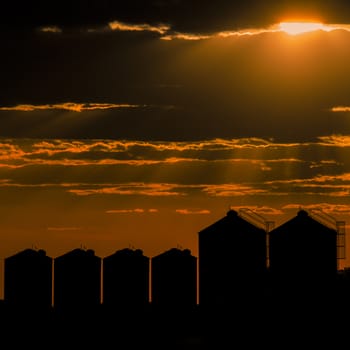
pixel 268 85
pixel 183 15
pixel 46 163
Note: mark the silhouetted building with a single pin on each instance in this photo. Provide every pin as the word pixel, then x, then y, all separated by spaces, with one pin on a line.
pixel 126 279
pixel 174 279
pixel 232 261
pixel 77 280
pixel 303 255
pixel 28 279
pixel 343 286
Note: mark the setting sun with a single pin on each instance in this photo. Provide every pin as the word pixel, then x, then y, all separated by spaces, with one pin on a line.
pixel 294 28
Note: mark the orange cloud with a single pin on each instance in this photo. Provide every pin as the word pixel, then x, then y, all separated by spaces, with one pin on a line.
pixel 50 29
pixel 322 185
pixel 323 163
pixel 340 109
pixel 9 183
pixel 42 156
pixel 335 140
pixel 192 211
pixel 163 189
pixel 82 162
pixel 328 208
pixel 340 193
pixel 184 36
pixel 263 210
pixel 121 26
pixel 127 211
pixel 153 189
pixel 279 27
pixel 166 32
pixel 69 106
pixel 63 146
pixel 228 190
pixel 246 32
pixel 62 152
pixel 9 151
pixel 345 177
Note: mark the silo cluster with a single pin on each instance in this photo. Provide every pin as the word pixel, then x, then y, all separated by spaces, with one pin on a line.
pixel 241 258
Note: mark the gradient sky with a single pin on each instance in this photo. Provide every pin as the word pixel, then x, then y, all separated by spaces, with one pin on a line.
pixel 139 123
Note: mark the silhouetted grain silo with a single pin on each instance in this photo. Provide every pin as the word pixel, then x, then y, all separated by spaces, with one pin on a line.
pixel 77 280
pixel 304 252
pixel 232 259
pixel 126 279
pixel 28 279
pixel 174 279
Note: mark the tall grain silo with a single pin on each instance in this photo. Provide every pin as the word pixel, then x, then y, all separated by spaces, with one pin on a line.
pixel 304 253
pixel 28 279
pixel 174 279
pixel 126 279
pixel 77 280
pixel 233 259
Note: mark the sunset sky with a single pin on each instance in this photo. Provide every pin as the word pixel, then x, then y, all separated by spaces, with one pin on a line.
pixel 139 123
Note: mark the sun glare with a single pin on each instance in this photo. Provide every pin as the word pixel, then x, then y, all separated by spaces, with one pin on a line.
pixel 294 28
